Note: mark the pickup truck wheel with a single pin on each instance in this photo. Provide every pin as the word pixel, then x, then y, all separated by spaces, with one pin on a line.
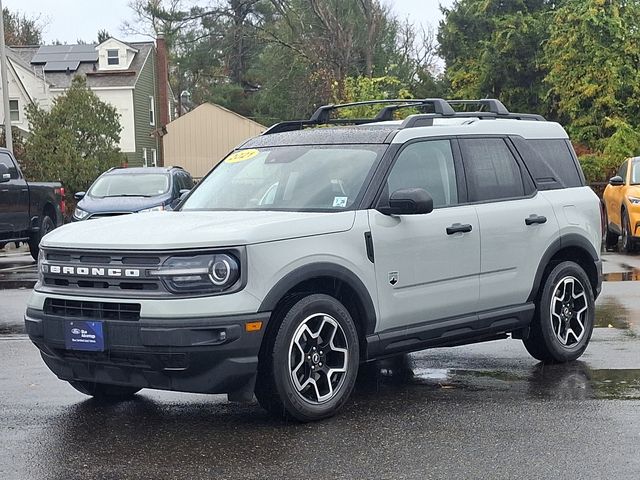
pixel 46 226
pixel 565 312
pixel 309 369
pixel 103 391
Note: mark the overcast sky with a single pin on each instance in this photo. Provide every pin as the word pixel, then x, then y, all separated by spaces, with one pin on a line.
pixel 70 20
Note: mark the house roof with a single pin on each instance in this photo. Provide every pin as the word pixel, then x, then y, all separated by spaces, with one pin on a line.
pixel 214 108
pixel 95 79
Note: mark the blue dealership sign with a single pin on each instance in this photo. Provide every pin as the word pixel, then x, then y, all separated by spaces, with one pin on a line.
pixel 80 335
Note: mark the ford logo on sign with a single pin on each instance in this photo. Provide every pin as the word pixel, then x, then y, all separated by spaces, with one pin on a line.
pixel 75 331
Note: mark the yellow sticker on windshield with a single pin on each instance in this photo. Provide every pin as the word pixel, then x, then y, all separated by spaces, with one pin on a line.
pixel 241 156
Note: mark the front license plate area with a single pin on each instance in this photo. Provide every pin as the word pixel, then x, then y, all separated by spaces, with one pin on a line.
pixel 83 335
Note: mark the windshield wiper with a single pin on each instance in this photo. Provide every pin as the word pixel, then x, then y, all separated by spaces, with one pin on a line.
pixel 127 195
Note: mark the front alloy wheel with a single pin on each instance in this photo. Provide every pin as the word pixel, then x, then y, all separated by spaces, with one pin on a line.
pixel 308 365
pixel 627 239
pixel 318 358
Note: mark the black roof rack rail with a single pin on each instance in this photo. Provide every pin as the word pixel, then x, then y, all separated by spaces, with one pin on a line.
pixel 441 109
pixel 386 114
pixel 322 116
pixel 440 106
pixel 491 104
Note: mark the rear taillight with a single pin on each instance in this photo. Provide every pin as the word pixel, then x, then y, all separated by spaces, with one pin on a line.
pixel 63 206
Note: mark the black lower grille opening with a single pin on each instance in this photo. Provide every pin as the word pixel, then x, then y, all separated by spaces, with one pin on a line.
pixel 92 310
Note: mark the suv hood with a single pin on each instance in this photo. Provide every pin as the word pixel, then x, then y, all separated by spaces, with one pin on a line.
pixel 120 204
pixel 182 230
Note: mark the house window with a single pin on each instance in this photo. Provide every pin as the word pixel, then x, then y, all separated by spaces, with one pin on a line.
pixel 144 157
pixel 14 110
pixel 113 57
pixel 154 157
pixel 152 111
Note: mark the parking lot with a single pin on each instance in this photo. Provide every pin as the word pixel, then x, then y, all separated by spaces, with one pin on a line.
pixel 480 411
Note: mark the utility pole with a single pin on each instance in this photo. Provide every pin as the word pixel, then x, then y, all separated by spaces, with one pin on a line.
pixel 5 85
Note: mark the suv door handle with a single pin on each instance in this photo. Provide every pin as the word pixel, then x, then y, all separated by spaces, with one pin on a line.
pixel 459 228
pixel 535 219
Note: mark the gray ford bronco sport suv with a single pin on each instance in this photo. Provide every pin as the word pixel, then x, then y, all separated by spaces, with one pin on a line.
pixel 308 251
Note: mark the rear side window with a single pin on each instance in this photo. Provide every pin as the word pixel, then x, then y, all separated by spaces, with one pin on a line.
pixel 492 171
pixel 550 162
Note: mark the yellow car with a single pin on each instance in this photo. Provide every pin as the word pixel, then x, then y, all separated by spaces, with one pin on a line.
pixel 622 205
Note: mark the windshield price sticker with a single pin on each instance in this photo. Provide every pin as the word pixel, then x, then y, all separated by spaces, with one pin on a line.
pixel 241 156
pixel 340 202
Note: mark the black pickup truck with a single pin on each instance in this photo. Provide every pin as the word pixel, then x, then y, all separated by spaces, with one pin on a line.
pixel 28 211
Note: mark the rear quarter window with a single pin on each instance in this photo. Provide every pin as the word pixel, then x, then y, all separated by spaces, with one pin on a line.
pixel 550 162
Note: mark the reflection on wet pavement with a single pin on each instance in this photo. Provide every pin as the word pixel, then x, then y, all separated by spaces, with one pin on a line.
pixel 576 380
pixel 610 313
pixel 628 276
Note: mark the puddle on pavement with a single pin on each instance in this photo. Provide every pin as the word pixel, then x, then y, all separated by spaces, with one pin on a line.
pixel 612 314
pixel 616 384
pixel 572 381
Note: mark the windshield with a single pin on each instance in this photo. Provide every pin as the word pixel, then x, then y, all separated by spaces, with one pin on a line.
pixel 635 172
pixel 130 185
pixel 326 178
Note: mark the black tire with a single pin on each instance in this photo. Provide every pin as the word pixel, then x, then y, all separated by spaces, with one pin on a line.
pixel 628 243
pixel 103 391
pixel 275 388
pixel 46 226
pixel 610 238
pixel 543 343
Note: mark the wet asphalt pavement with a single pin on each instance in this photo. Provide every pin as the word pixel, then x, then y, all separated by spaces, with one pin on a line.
pixel 480 411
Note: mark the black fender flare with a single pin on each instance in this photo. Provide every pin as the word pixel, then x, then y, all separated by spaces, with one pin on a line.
pixel 318 270
pixel 569 240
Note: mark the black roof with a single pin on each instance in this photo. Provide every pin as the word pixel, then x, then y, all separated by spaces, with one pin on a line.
pixel 325 136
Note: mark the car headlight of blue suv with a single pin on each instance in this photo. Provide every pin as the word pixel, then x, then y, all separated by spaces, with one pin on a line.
pixel 80 214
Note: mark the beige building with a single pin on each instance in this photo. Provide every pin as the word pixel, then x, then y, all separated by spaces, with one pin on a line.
pixel 198 140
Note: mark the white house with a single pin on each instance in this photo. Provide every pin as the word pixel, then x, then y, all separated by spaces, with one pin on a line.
pixel 131 76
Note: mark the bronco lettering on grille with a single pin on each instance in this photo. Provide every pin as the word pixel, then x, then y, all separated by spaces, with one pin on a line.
pixel 91 271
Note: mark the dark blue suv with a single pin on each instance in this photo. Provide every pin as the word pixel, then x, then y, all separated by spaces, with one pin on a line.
pixel 119 191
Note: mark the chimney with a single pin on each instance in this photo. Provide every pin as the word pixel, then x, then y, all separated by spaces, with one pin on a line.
pixel 162 68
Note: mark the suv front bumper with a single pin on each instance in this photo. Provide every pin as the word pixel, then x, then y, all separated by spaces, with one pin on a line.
pixel 200 355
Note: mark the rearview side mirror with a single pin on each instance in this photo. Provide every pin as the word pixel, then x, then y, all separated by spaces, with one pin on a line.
pixel 183 193
pixel 616 181
pixel 79 195
pixel 5 176
pixel 408 201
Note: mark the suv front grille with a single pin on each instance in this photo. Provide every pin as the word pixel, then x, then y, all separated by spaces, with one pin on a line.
pixel 92 310
pixel 95 279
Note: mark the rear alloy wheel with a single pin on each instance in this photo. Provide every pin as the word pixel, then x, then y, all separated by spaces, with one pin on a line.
pixel 308 370
pixel 565 312
pixel 627 240
pixel 103 391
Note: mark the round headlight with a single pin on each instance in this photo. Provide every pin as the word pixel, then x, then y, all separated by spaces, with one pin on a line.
pixel 220 272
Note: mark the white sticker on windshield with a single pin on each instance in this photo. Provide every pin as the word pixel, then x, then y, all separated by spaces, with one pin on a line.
pixel 340 201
